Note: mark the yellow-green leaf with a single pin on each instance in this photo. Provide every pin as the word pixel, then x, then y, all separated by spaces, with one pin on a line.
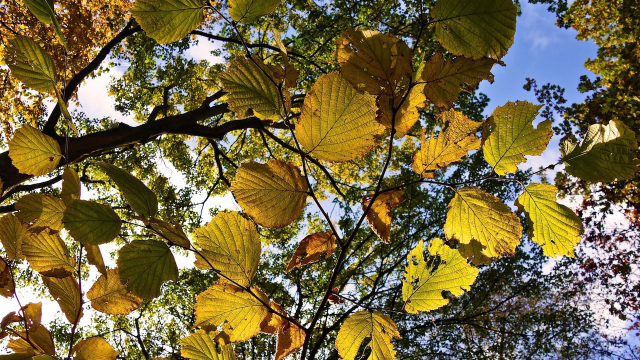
pixel 453 144
pixel 43 10
pixel 406 115
pixel 94 348
pixel 362 325
pixel 272 194
pixel 607 153
pixel 337 123
pixel 509 134
pixel 475 28
pixel 203 345
pixel 475 214
pixel 110 296
pixel 247 11
pixel 231 244
pixel 379 216
pixel 12 234
pixel 553 226
pixel 144 265
pixel 70 186
pixel 43 211
pixel 425 281
pixel 91 223
pixel 33 152
pixel 167 21
pixel 236 310
pixel 138 195
pixel 172 232
pixel 311 248
pixel 48 254
pixel 252 91
pixel 66 292
pixel 444 80
pixel 32 65
pixel 94 257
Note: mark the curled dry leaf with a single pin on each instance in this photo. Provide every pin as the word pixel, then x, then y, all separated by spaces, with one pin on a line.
pixel 311 248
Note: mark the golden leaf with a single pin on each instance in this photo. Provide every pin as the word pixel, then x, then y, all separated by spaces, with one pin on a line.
pixel 110 296
pixel 312 247
pixel 379 216
pixel 48 255
pixel 364 324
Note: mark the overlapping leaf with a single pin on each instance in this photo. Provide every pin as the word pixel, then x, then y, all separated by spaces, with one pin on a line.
pixel 167 21
pixel 311 248
pixel 509 134
pixel 94 348
pixel 70 186
pixel 12 234
pixel 91 223
pixel 406 115
pixel 43 211
pixel 425 281
pixel 138 195
pixel 33 152
pixel 43 10
pixel 172 232
pixel 607 153
pixel 247 11
pixel 203 345
pixel 144 265
pixel 273 194
pixel 475 28
pixel 474 251
pixel 66 292
pixel 290 339
pixel 231 244
pixel 32 65
pixel 48 254
pixel 237 311
pixel 94 257
pixel 337 123
pixel 477 215
pixel 362 325
pixel 553 226
pixel 110 296
pixel 380 216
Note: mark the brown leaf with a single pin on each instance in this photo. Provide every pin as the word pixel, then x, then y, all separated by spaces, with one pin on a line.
pixel 290 339
pixel 379 216
pixel 312 247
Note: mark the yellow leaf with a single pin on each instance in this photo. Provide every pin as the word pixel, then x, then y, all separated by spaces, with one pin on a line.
pixel 508 135
pixel 247 11
pixel 144 265
pixel 43 211
pixel 475 214
pixel 172 232
pixel 337 123
pixel 67 293
pixel 70 186
pixel 167 21
pixel 33 314
pixel 32 65
pixel 457 139
pixel 379 216
pixel 39 336
pixel 236 310
pixel 290 339
pixel 406 115
pixel 231 244
pixel 312 247
pixel 205 346
pixel 12 234
pixel 110 296
pixel 425 281
pixel 94 348
pixel 33 152
pixel 273 322
pixel 48 255
pixel 272 194
pixel 474 251
pixel 364 324
pixel 553 226
pixel 94 257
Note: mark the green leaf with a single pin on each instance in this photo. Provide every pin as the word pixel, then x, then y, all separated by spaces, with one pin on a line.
pixel 144 265
pixel 110 296
pixel 43 211
pixel 48 255
pixel 167 21
pixel 231 244
pixel 91 223
pixel 475 28
pixel 272 194
pixel 43 10
pixel 252 91
pixel 509 134
pixel 553 226
pixel 476 215
pixel 66 292
pixel 247 11
pixel 426 280
pixel 606 154
pixel 203 345
pixel 138 195
pixel 70 186
pixel 33 152
pixel 362 325
pixel 32 65
pixel 12 234
pixel 337 123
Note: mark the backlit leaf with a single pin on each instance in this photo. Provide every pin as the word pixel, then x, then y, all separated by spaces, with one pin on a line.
pixel 38 336
pixel 337 123
pixel 272 194
pixel 231 244
pixel 406 115
pixel 70 186
pixel 475 28
pixel 43 10
pixel 33 152
pixel 509 134
pixel 48 254
pixel 290 339
pixel 606 154
pixel 7 286
pixel 138 195
pixel 67 293
pixel 425 281
pixel 205 346
pixel 32 314
pixel 474 251
pixel 379 216
pixel 364 324
pixel 311 248
pixel 452 145
pixel 446 79
pixel 475 214
pixel 32 65
pixel 12 234
pixel 91 223
pixel 144 265
pixel 43 211
pixel 167 21
pixel 237 311
pixel 247 11
pixel 94 257
pixel 172 232
pixel 273 323
pixel 95 348
pixel 110 296
pixel 553 226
